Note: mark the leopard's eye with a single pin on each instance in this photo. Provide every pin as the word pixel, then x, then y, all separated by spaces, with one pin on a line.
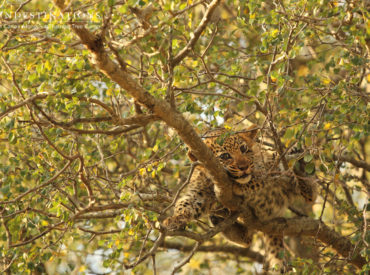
pixel 244 149
pixel 225 156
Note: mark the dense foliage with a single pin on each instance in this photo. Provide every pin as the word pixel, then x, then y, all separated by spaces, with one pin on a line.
pixel 87 168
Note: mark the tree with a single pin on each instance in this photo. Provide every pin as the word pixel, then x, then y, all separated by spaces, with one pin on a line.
pixel 100 99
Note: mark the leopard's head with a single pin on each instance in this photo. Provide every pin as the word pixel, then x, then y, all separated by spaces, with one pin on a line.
pixel 234 150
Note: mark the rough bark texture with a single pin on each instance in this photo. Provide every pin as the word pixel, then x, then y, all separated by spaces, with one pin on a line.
pixel 303 226
pixel 162 109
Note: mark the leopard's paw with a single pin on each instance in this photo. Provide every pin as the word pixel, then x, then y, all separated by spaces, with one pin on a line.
pixel 215 220
pixel 174 223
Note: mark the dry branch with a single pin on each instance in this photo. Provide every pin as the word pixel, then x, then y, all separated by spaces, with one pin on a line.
pixel 239 251
pixel 198 31
pixel 32 190
pixel 24 102
pixel 354 162
pixel 185 260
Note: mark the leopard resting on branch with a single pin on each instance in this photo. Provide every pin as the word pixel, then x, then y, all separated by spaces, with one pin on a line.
pixel 249 167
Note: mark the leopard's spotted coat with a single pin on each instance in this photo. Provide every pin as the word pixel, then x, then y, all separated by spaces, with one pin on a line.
pixel 247 165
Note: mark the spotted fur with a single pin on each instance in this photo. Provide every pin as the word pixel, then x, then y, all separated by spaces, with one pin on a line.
pixel 248 166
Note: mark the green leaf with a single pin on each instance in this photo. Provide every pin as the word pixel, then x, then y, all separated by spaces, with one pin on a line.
pixel 289 133
pixel 12 138
pixel 310 168
pixel 308 158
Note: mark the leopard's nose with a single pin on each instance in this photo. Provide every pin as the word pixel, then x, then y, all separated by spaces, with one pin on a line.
pixel 247 168
pixel 242 163
pixel 243 167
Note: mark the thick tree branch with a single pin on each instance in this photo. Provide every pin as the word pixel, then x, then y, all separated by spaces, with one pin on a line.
pixel 209 234
pixel 160 108
pixel 354 162
pixel 300 226
pixel 304 226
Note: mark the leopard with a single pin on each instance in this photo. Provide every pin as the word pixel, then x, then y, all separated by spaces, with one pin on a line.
pixel 255 179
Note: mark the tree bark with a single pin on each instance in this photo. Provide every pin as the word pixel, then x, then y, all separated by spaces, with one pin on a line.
pixel 160 108
pixel 309 227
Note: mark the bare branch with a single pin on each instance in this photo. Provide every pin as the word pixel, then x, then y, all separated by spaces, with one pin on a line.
pixel 236 250
pixel 99 208
pixel 45 39
pixel 206 93
pixel 186 259
pixel 37 236
pixel 193 165
pixel 187 8
pixel 140 120
pixel 24 102
pixel 209 234
pixel 38 187
pixel 100 232
pixel 151 252
pixel 354 162
pixel 198 31
pixel 22 5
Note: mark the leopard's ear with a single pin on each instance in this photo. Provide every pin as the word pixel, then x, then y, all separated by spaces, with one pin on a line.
pixel 192 157
pixel 250 133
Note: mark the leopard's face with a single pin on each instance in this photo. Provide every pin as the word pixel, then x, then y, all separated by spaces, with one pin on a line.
pixel 235 152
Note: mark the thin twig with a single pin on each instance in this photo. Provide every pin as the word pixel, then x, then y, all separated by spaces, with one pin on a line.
pixel 143 244
pixel 186 260
pixel 198 31
pixel 22 5
pixel 170 93
pixel 24 102
pixel 206 93
pixel 210 42
pixel 151 252
pixel 187 8
pixel 193 165
pixel 40 186
pixel 364 214
pixel 154 265
pixel 37 236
